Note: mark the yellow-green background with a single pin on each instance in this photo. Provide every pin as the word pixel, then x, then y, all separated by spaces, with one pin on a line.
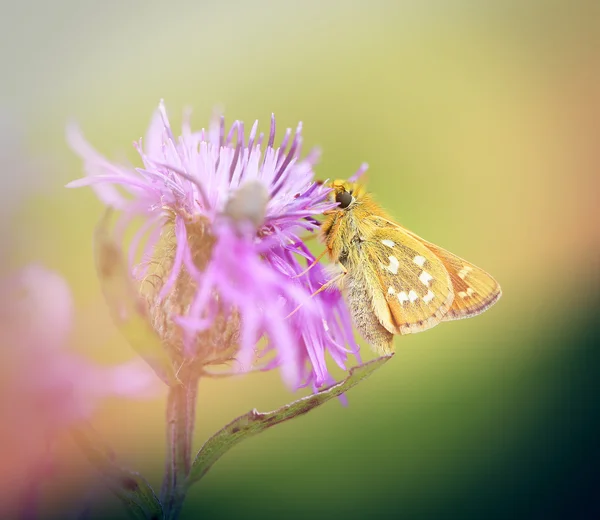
pixel 480 124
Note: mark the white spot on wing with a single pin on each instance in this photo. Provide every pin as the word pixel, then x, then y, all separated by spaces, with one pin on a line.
pixel 428 297
pixel 389 243
pixel 425 278
pixel 412 296
pixel 391 290
pixel 470 292
pixel 402 297
pixel 419 260
pixel 462 274
pixel 394 264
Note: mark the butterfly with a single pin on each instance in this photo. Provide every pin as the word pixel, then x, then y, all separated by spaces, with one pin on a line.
pixel 395 282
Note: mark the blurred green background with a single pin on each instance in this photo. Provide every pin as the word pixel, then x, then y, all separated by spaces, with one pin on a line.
pixel 480 125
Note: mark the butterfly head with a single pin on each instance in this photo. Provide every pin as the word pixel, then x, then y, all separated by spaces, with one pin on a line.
pixel 346 193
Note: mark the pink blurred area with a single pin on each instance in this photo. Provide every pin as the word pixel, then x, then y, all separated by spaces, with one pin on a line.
pixel 44 386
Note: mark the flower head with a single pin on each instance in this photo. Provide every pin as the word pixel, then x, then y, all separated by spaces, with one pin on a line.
pixel 219 270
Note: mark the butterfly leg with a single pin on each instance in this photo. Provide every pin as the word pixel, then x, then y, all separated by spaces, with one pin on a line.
pixel 323 287
pixel 334 280
pixel 315 262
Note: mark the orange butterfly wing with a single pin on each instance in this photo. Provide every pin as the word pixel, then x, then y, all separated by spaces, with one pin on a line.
pixel 411 289
pixel 475 291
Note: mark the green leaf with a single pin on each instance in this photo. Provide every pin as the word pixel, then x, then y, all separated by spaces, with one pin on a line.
pixel 132 489
pixel 255 422
pixel 128 310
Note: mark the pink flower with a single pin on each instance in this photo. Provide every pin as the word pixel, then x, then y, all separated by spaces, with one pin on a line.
pixel 224 214
pixel 44 388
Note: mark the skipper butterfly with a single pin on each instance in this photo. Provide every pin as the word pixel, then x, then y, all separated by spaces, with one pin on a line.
pixel 396 282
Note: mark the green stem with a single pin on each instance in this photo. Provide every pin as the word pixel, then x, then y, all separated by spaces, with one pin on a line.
pixel 181 408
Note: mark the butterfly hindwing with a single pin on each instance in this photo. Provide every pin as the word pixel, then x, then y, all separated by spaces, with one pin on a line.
pixel 474 290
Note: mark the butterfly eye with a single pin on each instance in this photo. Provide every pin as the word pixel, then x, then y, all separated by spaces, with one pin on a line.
pixel 344 198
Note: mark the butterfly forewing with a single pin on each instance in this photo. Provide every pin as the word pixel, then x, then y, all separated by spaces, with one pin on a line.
pixel 412 281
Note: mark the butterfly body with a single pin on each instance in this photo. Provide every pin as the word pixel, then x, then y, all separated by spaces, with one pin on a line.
pixel 395 282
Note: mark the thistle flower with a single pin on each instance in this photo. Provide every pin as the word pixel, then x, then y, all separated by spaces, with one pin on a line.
pixel 223 218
